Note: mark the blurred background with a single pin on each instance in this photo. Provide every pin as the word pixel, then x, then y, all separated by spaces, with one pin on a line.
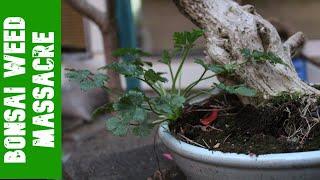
pixel 92 153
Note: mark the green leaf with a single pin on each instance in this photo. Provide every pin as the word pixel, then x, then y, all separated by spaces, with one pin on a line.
pixel 131 98
pixel 245 91
pixel 99 79
pixel 246 53
pixel 228 89
pixel 202 63
pixel 166 57
pixel 86 79
pixel 148 63
pixel 238 89
pixel 127 68
pixel 194 35
pixel 152 76
pixel 176 100
pixel 170 105
pixel 78 75
pixel 117 127
pixel 226 69
pixel 130 52
pixel 183 39
pixel 106 108
pixel 139 63
pixel 134 114
pixel 130 112
pixel 142 130
pixel 230 68
pixel 161 105
pixel 258 56
pixel 130 106
pixel 218 69
pixel 274 59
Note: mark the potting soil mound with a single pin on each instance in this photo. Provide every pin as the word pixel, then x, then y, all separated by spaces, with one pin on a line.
pixel 285 124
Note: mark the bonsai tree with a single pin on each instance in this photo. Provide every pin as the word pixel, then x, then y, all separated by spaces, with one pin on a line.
pixel 242 49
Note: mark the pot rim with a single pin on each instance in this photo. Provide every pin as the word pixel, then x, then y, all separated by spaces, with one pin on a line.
pixel 277 160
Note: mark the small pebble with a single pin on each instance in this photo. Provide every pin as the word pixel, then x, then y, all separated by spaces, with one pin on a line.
pixel 216 146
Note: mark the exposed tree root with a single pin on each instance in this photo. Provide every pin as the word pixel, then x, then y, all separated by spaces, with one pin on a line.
pixel 301 121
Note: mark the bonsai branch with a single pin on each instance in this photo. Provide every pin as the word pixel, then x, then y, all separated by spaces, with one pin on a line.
pixel 295 42
pixel 89 11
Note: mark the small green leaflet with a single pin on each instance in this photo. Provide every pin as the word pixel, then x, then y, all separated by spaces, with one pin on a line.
pixel 142 130
pixel 238 89
pixel 130 106
pixel 139 62
pixel 152 76
pixel 130 52
pixel 129 99
pixel 171 105
pixel 166 57
pixel 246 53
pixel 117 126
pixel 230 68
pixel 226 69
pixel 130 112
pixel 106 108
pixel 132 66
pixel 126 68
pixel 86 79
pixel 183 39
pixel 258 56
pixel 245 91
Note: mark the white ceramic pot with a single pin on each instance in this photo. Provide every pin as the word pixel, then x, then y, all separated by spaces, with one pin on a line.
pixel 200 164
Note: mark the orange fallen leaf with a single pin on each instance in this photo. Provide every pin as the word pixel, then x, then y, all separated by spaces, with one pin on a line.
pixel 212 117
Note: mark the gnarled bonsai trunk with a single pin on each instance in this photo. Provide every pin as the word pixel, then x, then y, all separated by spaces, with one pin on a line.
pixel 230 28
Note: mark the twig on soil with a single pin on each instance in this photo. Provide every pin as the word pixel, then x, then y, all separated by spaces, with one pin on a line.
pixel 220 108
pixel 206 143
pixel 225 139
pixel 288 110
pixel 214 128
pixel 205 127
pixel 190 141
pixel 227 114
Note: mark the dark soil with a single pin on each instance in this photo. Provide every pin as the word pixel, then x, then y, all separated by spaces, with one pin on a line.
pixel 248 129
